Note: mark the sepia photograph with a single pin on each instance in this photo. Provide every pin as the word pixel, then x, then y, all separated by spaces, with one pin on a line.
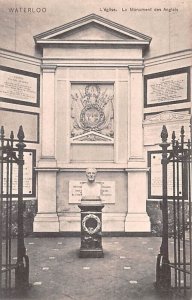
pixel 96 149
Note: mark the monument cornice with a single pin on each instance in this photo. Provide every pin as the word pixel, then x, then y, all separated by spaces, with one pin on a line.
pixel 48 68
pixel 48 169
pixel 92 62
pixel 94 42
pixel 137 170
pixel 96 31
pixel 168 58
pixel 136 68
pixel 20 57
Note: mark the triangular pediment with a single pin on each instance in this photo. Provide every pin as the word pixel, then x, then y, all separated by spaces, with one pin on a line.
pixel 92 31
pixel 92 136
pixel 92 28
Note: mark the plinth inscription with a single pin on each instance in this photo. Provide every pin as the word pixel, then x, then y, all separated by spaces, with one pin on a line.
pixel 107 191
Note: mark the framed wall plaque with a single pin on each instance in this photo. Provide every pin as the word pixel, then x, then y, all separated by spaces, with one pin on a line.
pixel 168 87
pixel 155 177
pixel 11 119
pixel 21 87
pixel 29 178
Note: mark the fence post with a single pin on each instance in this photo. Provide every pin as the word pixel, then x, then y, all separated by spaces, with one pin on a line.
pixel 163 271
pixel 1 196
pixel 190 204
pixel 22 268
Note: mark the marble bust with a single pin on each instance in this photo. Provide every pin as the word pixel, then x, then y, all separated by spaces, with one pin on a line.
pixel 91 190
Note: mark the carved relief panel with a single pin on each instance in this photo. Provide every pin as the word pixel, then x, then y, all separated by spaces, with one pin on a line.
pixel 92 112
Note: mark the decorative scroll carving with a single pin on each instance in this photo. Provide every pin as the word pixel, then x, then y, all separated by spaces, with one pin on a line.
pixel 173 120
pixel 92 137
pixel 92 110
pixel 167 116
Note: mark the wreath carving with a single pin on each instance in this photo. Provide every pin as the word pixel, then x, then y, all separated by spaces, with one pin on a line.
pixel 91 230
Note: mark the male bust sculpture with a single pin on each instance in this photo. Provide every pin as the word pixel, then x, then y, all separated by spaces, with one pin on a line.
pixel 91 190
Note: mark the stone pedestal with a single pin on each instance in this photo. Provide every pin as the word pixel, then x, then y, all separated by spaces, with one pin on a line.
pixel 91 229
pixel 46 220
pixel 137 219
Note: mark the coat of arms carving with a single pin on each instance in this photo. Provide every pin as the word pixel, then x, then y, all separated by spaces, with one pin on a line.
pixel 92 109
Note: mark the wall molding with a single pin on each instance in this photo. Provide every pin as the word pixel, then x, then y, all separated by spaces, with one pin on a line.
pixel 20 57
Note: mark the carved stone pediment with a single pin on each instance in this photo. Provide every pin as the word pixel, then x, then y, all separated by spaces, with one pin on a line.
pixel 167 116
pixel 91 136
pixel 92 28
pixel 92 31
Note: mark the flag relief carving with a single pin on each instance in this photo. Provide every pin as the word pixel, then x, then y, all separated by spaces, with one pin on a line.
pixel 92 110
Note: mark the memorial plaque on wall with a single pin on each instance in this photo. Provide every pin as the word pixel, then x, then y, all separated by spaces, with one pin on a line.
pixel 107 191
pixel 29 185
pixel 155 177
pixel 11 120
pixel 167 87
pixel 17 86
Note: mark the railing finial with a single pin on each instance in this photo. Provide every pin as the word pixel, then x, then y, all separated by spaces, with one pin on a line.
pixel 12 135
pixel 20 134
pixel 164 134
pixel 173 135
pixel 2 131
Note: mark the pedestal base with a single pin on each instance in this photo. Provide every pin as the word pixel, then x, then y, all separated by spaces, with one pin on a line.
pixel 137 223
pixel 91 228
pixel 91 253
pixel 69 221
pixel 46 222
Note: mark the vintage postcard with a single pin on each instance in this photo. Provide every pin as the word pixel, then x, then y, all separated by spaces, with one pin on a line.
pixel 95 149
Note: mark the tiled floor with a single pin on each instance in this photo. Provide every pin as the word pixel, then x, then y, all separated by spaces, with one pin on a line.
pixel 127 270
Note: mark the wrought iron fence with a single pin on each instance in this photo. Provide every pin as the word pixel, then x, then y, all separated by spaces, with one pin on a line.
pixel 174 262
pixel 11 170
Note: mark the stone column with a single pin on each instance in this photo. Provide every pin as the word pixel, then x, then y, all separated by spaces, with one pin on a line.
pixel 46 219
pixel 137 219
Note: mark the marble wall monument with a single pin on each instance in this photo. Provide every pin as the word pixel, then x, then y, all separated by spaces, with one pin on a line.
pixel 95 94
pixel 92 101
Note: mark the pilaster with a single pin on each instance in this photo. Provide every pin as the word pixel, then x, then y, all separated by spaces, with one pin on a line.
pixel 48 118
pixel 136 219
pixel 46 219
pixel 135 117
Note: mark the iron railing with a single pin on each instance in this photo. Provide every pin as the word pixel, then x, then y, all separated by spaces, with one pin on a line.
pixel 174 262
pixel 11 158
